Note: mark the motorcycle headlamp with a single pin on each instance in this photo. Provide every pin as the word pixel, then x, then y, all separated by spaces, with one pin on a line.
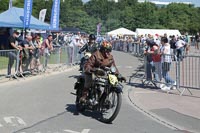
pixel 113 69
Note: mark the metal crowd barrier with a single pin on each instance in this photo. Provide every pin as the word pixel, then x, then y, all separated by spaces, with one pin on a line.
pixel 8 60
pixel 185 72
pixel 189 72
pixel 56 60
pixel 129 47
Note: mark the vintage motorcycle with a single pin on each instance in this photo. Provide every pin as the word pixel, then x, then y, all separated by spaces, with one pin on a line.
pixel 104 95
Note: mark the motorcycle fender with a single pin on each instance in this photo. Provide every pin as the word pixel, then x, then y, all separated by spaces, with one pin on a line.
pixel 118 89
pixel 77 85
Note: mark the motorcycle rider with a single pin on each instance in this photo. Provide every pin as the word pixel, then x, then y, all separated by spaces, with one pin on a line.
pixel 100 59
pixel 90 47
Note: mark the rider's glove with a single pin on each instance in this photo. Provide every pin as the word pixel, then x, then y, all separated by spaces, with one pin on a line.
pixel 79 52
pixel 121 78
pixel 90 71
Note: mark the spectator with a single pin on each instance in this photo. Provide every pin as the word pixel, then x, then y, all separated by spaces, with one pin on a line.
pixel 12 45
pixel 156 58
pixel 27 52
pixel 36 53
pixel 166 63
pixel 47 47
pixel 172 43
pixel 188 43
pixel 148 60
pixel 73 48
pixel 197 40
pixel 130 42
pixel 179 48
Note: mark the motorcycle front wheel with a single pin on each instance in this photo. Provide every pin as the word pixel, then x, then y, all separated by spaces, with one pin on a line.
pixel 110 106
pixel 79 106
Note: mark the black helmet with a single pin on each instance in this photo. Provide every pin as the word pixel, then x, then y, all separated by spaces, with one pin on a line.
pixel 92 37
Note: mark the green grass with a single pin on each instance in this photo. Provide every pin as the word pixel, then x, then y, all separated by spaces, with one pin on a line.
pixel 3 62
pixel 56 59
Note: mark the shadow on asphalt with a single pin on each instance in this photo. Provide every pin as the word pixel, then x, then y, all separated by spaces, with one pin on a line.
pixel 74 76
pixel 88 113
pixel 137 80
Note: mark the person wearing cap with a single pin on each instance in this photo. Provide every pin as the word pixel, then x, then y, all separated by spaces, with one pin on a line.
pixel 73 48
pixel 12 45
pixel 27 52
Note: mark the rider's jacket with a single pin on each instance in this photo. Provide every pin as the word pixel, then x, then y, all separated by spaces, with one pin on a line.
pixel 89 48
pixel 97 60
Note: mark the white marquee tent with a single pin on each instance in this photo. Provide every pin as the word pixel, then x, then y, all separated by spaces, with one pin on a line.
pixel 121 31
pixel 160 32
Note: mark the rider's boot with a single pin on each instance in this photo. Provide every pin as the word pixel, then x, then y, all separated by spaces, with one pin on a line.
pixel 84 95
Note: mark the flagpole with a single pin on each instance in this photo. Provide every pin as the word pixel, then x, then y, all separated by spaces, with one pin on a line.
pixel 10 4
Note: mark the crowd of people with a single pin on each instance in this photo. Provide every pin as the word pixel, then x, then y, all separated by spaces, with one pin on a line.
pixel 159 51
pixel 154 46
pixel 34 45
pixel 27 51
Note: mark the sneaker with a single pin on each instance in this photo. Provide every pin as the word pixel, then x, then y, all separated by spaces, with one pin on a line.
pixel 8 76
pixel 174 85
pixel 165 88
pixel 162 85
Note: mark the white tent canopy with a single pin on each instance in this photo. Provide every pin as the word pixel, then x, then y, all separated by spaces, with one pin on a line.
pixel 160 32
pixel 121 31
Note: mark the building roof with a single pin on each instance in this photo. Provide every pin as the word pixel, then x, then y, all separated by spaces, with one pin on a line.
pixel 162 3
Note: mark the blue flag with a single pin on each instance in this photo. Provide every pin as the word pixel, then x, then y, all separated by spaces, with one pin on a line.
pixel 27 12
pixel 55 14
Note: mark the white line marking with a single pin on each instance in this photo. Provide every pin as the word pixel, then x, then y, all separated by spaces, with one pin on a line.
pixel 8 120
pixel 13 121
pixel 70 131
pixel 21 121
pixel 85 131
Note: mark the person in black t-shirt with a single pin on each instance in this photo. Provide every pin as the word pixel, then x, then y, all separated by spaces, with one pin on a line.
pixel 197 39
pixel 12 45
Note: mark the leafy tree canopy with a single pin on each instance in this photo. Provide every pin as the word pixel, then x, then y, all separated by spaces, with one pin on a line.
pixel 125 13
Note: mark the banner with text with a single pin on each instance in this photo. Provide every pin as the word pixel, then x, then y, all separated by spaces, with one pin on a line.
pixel 27 12
pixel 55 14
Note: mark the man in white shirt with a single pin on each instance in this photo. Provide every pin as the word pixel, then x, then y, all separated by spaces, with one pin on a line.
pixel 179 48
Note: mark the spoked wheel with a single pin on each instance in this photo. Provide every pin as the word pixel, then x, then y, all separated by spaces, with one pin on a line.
pixel 79 106
pixel 110 106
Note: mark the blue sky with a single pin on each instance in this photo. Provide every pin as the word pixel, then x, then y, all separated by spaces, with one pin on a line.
pixel 195 2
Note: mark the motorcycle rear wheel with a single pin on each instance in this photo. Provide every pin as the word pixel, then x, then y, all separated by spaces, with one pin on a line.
pixel 110 107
